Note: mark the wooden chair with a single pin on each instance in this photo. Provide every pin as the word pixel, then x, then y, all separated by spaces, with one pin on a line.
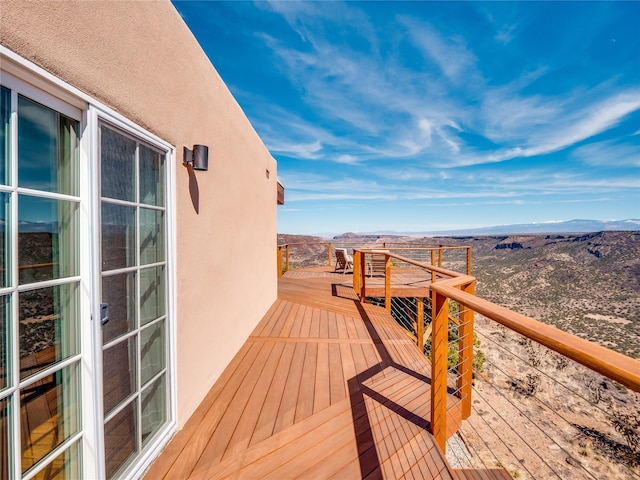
pixel 376 265
pixel 344 261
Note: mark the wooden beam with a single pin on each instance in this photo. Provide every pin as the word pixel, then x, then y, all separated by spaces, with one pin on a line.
pixel 387 282
pixel 465 354
pixel 439 347
pixel 286 266
pixel 420 322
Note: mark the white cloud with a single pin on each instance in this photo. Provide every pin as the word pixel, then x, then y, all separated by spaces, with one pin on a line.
pixel 609 154
pixel 449 54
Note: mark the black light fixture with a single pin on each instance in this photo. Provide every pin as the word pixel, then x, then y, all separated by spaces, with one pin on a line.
pixel 198 157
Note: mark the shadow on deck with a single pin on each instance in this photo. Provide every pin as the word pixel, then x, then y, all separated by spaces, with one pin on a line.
pixel 324 387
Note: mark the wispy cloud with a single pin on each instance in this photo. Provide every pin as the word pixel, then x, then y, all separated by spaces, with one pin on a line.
pixel 609 153
pixel 451 55
pixel 439 104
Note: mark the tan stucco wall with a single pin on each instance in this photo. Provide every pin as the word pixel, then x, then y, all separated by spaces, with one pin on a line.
pixel 140 59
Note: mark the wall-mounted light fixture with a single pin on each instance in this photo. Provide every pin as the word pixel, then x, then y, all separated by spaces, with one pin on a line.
pixel 198 157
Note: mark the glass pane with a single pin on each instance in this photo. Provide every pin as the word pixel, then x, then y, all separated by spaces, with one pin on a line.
pixel 120 439
pixel 119 291
pixel 5 136
pixel 154 408
pixel 4 438
pixel 118 160
pixel 152 293
pixel 151 177
pixel 151 236
pixel 119 372
pixel 48 327
pixel 152 351
pixel 5 245
pixel 5 318
pixel 47 239
pixel 65 466
pixel 118 236
pixel 47 149
pixel 49 414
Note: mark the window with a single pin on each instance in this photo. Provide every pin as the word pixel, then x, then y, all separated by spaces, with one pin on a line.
pixel 134 285
pixel 52 282
pixel 40 370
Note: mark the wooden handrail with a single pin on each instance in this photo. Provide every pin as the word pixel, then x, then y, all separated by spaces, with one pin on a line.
pixel 611 364
pixel 616 366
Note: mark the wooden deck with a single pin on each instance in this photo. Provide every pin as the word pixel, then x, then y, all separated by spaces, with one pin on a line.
pixel 324 388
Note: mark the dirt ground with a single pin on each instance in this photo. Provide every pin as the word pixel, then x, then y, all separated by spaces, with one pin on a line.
pixel 541 416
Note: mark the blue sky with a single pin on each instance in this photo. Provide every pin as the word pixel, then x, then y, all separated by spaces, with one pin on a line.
pixel 422 116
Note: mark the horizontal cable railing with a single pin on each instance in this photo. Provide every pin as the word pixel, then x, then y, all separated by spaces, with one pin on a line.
pixel 540 415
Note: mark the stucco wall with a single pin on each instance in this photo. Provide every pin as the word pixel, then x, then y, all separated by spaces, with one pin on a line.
pixel 140 59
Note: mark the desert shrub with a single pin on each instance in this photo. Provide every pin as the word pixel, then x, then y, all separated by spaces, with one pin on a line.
pixel 528 386
pixel 627 424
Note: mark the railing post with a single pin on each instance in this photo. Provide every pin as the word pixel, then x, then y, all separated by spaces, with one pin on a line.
pixel 433 262
pixel 440 256
pixel 279 260
pixel 469 261
pixel 387 282
pixel 420 322
pixel 439 337
pixel 465 353
pixel 363 275
pixel 356 271
pixel 329 248
pixel 286 258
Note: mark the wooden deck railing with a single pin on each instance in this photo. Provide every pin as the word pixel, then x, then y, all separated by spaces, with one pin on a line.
pixel 435 252
pixel 448 285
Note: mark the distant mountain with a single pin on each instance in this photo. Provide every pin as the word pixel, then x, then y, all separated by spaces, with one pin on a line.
pixel 571 226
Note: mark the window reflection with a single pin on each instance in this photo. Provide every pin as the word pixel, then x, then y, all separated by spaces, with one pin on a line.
pixel 151 177
pixel 152 294
pixel 5 115
pixel 50 413
pixel 154 408
pixel 47 149
pixel 47 239
pixel 48 327
pixel 118 236
pixel 120 434
pixel 118 160
pixel 119 372
pixel 152 351
pixel 151 236
pixel 4 340
pixel 5 245
pixel 119 291
pixel 4 438
pixel 65 466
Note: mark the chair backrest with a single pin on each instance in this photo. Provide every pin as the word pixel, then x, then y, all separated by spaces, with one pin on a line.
pixel 341 257
pixel 377 263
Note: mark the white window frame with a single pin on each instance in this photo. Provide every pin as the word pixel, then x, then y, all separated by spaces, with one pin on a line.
pixel 25 77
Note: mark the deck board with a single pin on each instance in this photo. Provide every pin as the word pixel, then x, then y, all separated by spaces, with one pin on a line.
pixel 325 387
